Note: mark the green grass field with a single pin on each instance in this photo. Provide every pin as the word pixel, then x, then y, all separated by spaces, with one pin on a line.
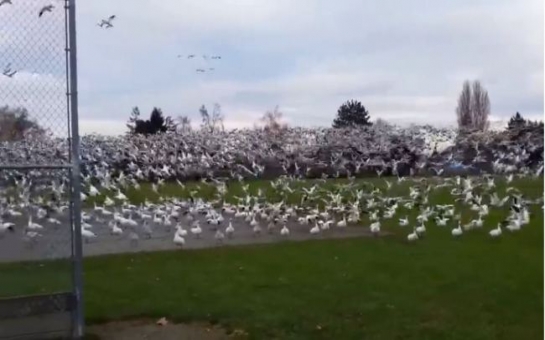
pixel 440 287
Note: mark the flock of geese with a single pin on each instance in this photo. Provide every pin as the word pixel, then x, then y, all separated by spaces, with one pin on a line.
pixel 8 71
pixel 206 58
pixel 105 24
pixel 114 169
pixel 42 10
pixel 277 208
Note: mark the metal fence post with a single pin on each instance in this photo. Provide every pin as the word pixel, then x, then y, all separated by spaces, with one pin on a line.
pixel 78 318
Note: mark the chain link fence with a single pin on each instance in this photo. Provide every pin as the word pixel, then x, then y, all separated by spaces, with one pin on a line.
pixel 39 188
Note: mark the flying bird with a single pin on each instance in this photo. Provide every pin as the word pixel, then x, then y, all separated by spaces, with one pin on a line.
pixel 5 2
pixel 201 70
pixel 216 57
pixel 8 72
pixel 107 22
pixel 46 8
pixel 190 56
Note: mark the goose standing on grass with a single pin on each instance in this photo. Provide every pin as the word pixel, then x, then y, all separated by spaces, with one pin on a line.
pixel 116 230
pixel 256 230
pixel 133 238
pixel 219 236
pixel 178 240
pixel 342 223
pixel 495 232
pixel 6 227
pixel 375 228
pixel 421 229
pixel 412 236
pixel 32 225
pixel 457 231
pixel 196 230
pixel 87 235
pixel 230 230
pixel 285 231
pixel 315 230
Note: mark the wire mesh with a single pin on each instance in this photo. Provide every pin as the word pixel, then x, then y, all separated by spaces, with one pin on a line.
pixel 35 250
pixel 40 253
pixel 34 124
pixel 35 215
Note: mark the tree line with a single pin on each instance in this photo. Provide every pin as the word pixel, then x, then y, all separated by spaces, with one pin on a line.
pixel 159 123
pixel 472 112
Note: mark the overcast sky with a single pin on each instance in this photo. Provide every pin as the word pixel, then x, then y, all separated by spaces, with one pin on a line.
pixel 404 60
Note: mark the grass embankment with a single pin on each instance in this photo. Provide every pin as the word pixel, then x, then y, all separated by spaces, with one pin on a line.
pixel 472 287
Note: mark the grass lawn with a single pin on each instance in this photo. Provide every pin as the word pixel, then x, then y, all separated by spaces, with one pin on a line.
pixel 472 287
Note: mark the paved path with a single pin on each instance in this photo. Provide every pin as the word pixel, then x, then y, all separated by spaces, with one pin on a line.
pixel 55 241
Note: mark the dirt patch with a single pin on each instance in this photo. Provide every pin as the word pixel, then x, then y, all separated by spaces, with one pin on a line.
pixel 149 329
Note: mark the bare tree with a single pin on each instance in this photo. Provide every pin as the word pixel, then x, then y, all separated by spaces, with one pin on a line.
pixel 272 121
pixel 382 124
pixel 480 107
pixel 217 119
pixel 463 111
pixel 171 125
pixel 15 124
pixel 212 123
pixel 205 117
pixel 133 119
pixel 184 124
pixel 473 108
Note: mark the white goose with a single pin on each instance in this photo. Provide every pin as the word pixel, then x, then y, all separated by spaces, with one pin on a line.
pixel 495 232
pixel 196 230
pixel 32 225
pixel 230 230
pixel 342 223
pixel 412 236
pixel 457 231
pixel 375 228
pixel 315 230
pixel 178 240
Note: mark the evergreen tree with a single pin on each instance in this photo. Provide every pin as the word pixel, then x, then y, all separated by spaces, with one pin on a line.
pixel 352 113
pixel 517 121
pixel 157 123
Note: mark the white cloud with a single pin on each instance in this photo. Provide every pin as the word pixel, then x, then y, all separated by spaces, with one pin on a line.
pixel 107 127
pixel 43 95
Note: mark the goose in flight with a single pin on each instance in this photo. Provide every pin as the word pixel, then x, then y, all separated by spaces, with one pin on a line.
pixel 201 70
pixel 46 8
pixel 190 56
pixel 5 2
pixel 107 22
pixel 8 72
pixel 216 57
